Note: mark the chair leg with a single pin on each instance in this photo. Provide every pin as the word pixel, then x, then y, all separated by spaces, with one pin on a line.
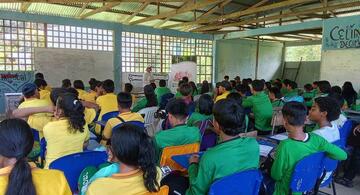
pixel 333 187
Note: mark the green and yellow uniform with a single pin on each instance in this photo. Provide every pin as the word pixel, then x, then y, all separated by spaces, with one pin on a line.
pixel 196 117
pixel 226 158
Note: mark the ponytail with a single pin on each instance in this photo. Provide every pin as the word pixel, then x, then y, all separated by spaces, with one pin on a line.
pixel 73 110
pixel 20 179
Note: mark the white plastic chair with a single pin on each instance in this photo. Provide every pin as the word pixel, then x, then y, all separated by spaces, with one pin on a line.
pixel 149 115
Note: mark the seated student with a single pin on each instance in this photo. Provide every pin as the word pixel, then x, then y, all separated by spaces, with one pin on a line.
pixel 149 100
pixel 315 86
pixel 261 107
pixel 308 95
pixel 108 101
pixel 80 88
pixel 342 117
pixel 233 85
pixel 275 97
pixel 178 94
pixel 66 83
pixel 124 101
pixel 292 90
pixel 134 170
pixel 243 90
pixel 40 75
pixel 323 112
pixel 324 88
pixel 237 80
pixel 41 85
pixel 194 88
pixel 205 105
pixel 284 88
pixel 128 87
pixel 68 133
pixel 349 93
pixel 233 154
pixel 226 78
pixel 297 146
pixel 92 94
pixel 185 79
pixel 39 120
pixel 180 134
pixel 224 90
pixel 186 91
pixel 161 90
pixel 205 87
pixel 17 175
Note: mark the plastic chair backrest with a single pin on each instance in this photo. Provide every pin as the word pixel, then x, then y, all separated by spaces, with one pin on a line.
pixel 164 190
pixel 105 117
pixel 330 166
pixel 43 144
pixel 72 165
pixel 208 137
pixel 137 123
pixel 345 131
pixel 242 183
pixel 149 114
pixel 36 135
pixel 170 151
pixel 306 173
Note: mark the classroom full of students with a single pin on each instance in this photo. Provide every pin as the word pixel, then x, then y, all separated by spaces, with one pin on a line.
pixel 188 141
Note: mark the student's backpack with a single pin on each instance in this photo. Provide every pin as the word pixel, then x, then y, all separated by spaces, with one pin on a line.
pixel 86 175
pixel 294 99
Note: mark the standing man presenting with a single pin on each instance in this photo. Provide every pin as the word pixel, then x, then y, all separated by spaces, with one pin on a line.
pixel 148 76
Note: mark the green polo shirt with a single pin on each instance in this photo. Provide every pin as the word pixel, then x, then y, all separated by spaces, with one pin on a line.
pixel 292 93
pixel 283 91
pixel 160 91
pixel 277 103
pixel 226 158
pixel 196 117
pixel 139 105
pixel 262 109
pixel 291 151
pixel 308 97
pixel 179 135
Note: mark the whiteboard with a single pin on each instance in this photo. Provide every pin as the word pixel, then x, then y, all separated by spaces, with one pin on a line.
pixel 73 64
pixel 338 66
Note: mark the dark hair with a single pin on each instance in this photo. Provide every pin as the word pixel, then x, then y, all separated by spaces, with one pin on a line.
pixel 55 93
pixel 242 88
pixel 185 89
pixel 39 75
pixel 108 86
pixel 17 141
pixel 268 85
pixel 205 88
pixel 153 85
pixel 276 92
pixel 193 87
pixel 40 83
pixel 226 85
pixel 162 83
pixel 66 83
pixel 78 84
pixel 230 116
pixel 349 93
pixel 245 82
pixel 278 85
pixel 128 87
pixel 205 104
pixel 336 89
pixel 132 146
pixel 73 110
pixel 185 79
pixel 294 113
pixel 308 87
pixel 178 108
pixel 257 85
pixel 339 98
pixel 93 83
pixel 329 105
pixel 181 82
pixel 72 91
pixel 324 86
pixel 226 77
pixel 124 100
pixel 286 82
pixel 235 96
pixel 316 83
pixel 293 85
pixel 233 84
pixel 150 96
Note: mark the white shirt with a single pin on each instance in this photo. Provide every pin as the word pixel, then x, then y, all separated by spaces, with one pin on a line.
pixel 331 134
pixel 148 76
pixel 340 121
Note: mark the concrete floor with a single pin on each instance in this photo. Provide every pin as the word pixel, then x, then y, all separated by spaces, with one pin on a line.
pixel 342 190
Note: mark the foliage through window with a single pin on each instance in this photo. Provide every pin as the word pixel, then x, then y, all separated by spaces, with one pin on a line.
pixel 306 53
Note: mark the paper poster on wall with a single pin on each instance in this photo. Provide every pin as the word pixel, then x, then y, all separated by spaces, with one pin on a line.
pixel 12 82
pixel 12 101
pixel 136 79
pixel 178 71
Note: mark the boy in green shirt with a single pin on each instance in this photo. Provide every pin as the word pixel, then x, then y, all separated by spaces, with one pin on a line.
pixel 161 90
pixel 308 95
pixel 297 146
pixel 261 107
pixel 180 134
pixel 292 90
pixel 232 155
pixel 205 105
pixel 275 97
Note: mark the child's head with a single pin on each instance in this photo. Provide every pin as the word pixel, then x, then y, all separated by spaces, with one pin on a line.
pixel 274 93
pixel 16 143
pixel 185 79
pixel 124 100
pixel 315 84
pixel 30 90
pixel 268 85
pixel 178 111
pixel 130 145
pixel 285 83
pixel 236 97
pixel 226 78
pixel 68 106
pixel 339 99
pixel 55 93
pixel 205 88
pixel 78 84
pixel 193 86
pixel 242 89
pixel 185 89
pixel 128 87
pixel 348 89
pixel 324 86
pixel 257 85
pixel 291 85
pixel 93 83
pixel 150 96
pixel 233 84
pixel 39 75
pixel 108 86
pixel 336 89
pixel 294 114
pixel 224 86
pixel 66 83
pixel 229 117
pixel 162 83
pixel 206 104
pixel 308 87
pixel 40 83
pixel 324 109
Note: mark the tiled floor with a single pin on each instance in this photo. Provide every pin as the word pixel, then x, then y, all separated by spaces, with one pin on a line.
pixel 341 190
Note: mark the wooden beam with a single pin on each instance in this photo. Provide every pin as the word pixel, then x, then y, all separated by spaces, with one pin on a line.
pixel 24 7
pixel 85 1
pixel 189 7
pixel 82 10
pixel 140 9
pixel 276 17
pixel 101 9
pixel 157 25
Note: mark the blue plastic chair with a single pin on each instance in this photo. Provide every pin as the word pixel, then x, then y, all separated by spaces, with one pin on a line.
pixel 306 173
pixel 242 183
pixel 137 123
pixel 105 117
pixel 72 165
pixel 345 131
pixel 36 135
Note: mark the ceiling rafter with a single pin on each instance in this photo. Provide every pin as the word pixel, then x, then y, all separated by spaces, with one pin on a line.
pixel 82 10
pixel 101 9
pixel 157 25
pixel 140 9
pixel 24 6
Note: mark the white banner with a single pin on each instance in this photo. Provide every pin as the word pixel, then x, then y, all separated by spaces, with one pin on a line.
pixel 180 70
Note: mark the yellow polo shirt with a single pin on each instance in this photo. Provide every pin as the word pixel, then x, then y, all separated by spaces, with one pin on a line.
pixel 81 93
pixel 39 120
pixel 61 142
pixel 48 88
pixel 90 97
pixel 90 115
pixel 45 95
pixel 45 181
pixel 222 96
pixel 122 183
pixel 107 103
pixel 111 123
